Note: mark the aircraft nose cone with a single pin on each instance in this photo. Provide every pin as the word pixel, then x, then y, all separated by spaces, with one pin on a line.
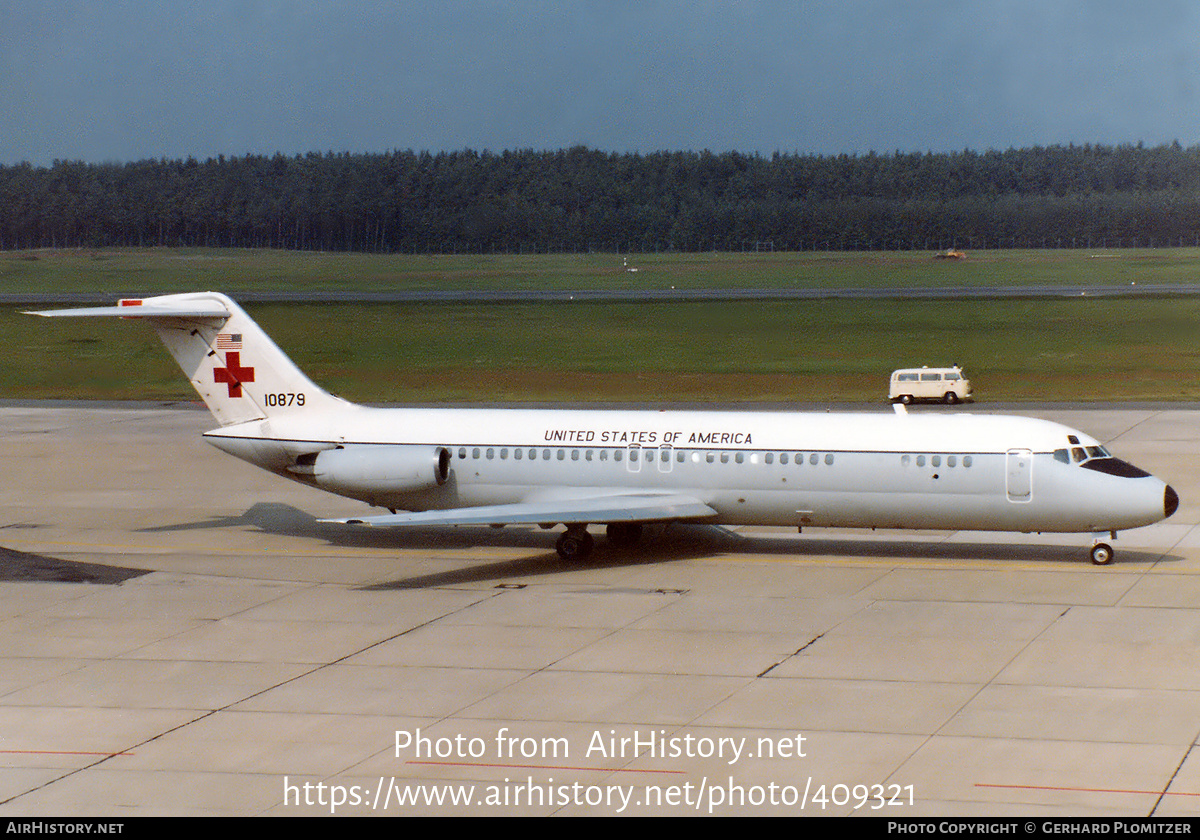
pixel 1170 500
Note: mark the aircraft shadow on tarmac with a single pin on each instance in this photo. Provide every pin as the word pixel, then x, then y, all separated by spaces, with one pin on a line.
pixel 661 544
pixel 23 567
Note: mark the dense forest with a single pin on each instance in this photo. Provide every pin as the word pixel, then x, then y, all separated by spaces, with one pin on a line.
pixel 586 200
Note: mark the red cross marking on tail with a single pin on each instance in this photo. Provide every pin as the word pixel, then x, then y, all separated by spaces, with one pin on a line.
pixel 233 374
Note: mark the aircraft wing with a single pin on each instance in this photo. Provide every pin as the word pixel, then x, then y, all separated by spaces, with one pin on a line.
pixel 627 507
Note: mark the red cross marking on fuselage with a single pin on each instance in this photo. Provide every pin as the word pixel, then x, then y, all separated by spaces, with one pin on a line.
pixel 233 374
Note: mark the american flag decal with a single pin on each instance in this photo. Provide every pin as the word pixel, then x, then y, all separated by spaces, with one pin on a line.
pixel 229 341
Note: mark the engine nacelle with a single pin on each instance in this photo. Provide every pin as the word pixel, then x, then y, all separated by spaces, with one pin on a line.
pixel 370 471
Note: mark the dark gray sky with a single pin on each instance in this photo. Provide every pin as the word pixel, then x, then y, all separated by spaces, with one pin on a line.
pixel 132 79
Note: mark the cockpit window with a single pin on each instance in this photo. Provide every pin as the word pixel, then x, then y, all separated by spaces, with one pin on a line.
pixel 1099 459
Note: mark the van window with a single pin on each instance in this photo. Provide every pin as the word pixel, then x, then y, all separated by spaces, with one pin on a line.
pixel 931 377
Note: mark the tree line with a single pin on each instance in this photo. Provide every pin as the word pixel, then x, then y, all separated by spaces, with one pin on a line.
pixel 582 199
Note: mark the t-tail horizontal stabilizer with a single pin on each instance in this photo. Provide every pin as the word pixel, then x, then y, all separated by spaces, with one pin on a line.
pixel 232 363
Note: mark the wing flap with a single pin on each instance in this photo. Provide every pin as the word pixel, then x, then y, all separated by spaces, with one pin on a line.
pixel 611 508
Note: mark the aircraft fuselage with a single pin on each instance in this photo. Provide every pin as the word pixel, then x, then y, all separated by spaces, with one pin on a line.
pixel 883 470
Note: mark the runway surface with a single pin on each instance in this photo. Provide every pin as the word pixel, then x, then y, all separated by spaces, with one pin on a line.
pixel 178 635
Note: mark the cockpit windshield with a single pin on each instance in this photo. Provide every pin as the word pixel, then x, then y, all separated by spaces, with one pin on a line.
pixel 1099 459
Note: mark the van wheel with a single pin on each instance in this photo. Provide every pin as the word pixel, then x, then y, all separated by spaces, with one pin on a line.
pixel 906 399
pixel 951 398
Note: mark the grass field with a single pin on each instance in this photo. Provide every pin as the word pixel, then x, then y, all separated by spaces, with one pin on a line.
pixel 138 271
pixel 1086 349
pixel 1047 349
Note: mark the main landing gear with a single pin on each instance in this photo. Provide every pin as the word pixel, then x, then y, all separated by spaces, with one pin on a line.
pixel 576 544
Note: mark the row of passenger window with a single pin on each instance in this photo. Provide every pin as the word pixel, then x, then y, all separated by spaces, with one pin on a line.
pixel 936 460
pixel 648 455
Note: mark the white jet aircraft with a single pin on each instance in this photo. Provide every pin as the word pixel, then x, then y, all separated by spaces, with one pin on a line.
pixel 450 466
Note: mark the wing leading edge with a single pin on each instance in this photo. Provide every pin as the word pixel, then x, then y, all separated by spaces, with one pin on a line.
pixel 610 508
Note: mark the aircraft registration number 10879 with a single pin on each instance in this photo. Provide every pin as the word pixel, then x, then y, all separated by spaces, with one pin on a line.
pixel 623 469
pixel 282 400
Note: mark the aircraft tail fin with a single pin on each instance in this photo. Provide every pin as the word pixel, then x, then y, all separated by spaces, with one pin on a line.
pixel 232 363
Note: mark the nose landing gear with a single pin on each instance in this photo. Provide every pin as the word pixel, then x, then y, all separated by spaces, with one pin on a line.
pixel 1102 552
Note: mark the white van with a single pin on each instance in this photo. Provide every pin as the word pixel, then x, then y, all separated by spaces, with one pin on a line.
pixel 946 385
